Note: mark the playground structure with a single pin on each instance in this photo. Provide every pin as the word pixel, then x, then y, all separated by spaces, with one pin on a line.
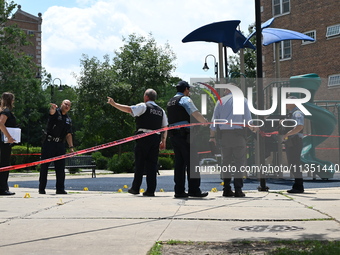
pixel 322 121
pixel 322 125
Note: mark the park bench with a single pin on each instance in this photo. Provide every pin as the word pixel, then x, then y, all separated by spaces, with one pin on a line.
pixel 81 161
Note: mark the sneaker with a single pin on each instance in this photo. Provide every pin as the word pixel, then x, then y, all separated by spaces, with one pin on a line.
pixel 42 191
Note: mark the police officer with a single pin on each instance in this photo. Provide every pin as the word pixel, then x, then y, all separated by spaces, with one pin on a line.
pixel 59 130
pixel 232 140
pixel 292 138
pixel 149 117
pixel 180 108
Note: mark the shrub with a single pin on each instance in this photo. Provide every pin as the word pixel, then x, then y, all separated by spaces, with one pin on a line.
pixel 165 163
pixel 167 154
pixel 74 170
pixel 122 164
pixel 19 157
pixel 101 161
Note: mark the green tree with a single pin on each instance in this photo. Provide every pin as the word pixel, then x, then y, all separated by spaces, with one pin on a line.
pixel 18 75
pixel 142 64
pixel 139 64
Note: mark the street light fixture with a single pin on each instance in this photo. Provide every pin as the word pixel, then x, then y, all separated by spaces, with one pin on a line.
pixel 206 67
pixel 60 88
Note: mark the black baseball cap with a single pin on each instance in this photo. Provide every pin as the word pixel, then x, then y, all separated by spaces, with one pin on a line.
pixel 182 84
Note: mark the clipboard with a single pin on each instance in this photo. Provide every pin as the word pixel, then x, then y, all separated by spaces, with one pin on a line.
pixel 14 132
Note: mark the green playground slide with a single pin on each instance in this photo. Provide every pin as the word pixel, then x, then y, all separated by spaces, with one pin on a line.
pixel 323 122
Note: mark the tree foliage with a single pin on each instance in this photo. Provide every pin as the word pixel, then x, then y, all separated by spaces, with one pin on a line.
pixel 18 74
pixel 138 65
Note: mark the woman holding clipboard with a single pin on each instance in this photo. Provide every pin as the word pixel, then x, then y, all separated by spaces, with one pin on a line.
pixel 7 119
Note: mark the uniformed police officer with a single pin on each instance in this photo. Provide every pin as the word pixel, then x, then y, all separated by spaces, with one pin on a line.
pixel 149 117
pixel 59 130
pixel 293 144
pixel 232 140
pixel 180 109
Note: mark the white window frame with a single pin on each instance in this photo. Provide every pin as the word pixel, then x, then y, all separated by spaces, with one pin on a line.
pixel 333 80
pixel 312 34
pixel 282 49
pixel 333 31
pixel 281 4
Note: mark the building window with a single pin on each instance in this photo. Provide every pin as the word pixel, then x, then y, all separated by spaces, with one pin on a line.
pixel 334 80
pixel 281 7
pixel 333 30
pixel 30 32
pixel 311 34
pixel 285 50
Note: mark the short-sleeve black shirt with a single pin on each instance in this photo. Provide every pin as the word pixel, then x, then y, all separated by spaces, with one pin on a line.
pixel 59 125
pixel 11 120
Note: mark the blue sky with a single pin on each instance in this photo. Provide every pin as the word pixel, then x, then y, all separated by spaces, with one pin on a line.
pixel 71 28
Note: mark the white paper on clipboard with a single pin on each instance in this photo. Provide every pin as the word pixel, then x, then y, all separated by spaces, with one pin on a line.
pixel 14 132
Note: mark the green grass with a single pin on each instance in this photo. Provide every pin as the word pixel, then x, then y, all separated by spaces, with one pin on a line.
pixel 156 249
pixel 288 247
pixel 310 247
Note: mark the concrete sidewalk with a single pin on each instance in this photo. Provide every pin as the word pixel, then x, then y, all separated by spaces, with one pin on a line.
pixel 88 222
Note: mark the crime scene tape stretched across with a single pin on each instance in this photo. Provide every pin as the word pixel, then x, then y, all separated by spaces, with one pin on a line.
pixel 98 147
pixel 118 142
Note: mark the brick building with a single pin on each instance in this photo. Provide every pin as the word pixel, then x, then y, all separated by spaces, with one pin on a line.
pixel 32 26
pixel 319 19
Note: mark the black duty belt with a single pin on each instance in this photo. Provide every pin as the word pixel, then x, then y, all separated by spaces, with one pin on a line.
pixel 50 138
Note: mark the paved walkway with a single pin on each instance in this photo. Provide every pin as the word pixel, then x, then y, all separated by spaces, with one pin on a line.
pixel 88 222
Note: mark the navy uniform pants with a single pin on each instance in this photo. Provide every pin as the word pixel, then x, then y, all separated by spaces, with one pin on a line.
pixel 293 153
pixel 5 156
pixel 146 160
pixel 50 150
pixel 185 161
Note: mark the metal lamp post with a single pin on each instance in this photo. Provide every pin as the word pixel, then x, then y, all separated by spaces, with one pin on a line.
pixel 206 67
pixel 52 87
pixel 260 95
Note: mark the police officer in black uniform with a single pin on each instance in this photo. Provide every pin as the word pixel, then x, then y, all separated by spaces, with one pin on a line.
pixel 149 117
pixel 180 109
pixel 292 137
pixel 59 130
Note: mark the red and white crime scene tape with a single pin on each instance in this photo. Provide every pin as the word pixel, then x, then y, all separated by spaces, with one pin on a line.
pixel 96 148
pixel 115 143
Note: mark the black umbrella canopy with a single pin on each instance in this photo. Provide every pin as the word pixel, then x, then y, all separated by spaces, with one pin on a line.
pixel 220 32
